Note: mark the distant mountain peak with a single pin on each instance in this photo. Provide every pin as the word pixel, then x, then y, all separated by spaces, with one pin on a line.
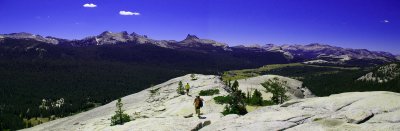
pixel 194 41
pixel 191 37
pixel 134 34
pixel 109 33
pixel 124 33
pixel 316 44
pixel 105 33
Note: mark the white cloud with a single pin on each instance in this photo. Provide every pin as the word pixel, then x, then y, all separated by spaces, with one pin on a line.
pixel 385 21
pixel 128 13
pixel 89 5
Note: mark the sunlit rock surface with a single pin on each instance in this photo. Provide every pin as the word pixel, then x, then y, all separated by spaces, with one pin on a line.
pixel 161 108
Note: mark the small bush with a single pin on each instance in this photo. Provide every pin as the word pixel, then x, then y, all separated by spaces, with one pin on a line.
pixel 154 90
pixel 209 92
pixel 234 110
pixel 267 103
pixel 193 76
pixel 222 99
pixel 317 119
pixel 180 89
pixel 120 117
pixel 257 100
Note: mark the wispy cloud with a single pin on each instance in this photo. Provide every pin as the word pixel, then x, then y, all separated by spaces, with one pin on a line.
pixel 89 5
pixel 385 21
pixel 128 13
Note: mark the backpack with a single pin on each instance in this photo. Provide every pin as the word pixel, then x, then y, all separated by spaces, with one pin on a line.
pixel 201 103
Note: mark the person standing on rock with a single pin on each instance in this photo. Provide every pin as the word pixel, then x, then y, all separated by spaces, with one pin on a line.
pixel 198 103
pixel 187 87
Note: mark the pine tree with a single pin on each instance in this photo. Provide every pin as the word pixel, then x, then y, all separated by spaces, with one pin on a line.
pixel 120 117
pixel 180 89
pixel 256 99
pixel 278 90
pixel 237 104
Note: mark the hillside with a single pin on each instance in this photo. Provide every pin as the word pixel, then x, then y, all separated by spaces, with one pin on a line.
pixel 325 80
pixel 382 74
pixel 160 103
pixel 346 111
pixel 161 108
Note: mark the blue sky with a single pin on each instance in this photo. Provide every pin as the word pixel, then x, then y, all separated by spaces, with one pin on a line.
pixel 370 24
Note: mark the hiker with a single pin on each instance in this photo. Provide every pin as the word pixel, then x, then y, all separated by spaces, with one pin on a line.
pixel 187 87
pixel 198 103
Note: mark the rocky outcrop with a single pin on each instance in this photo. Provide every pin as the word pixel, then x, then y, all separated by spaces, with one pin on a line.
pixel 346 111
pixel 157 108
pixel 161 108
pixel 295 90
pixel 382 74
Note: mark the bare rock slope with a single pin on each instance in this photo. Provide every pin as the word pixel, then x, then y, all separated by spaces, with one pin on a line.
pixel 161 108
pixel 294 87
pixel 346 111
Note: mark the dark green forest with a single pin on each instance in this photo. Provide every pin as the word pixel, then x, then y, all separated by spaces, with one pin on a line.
pixel 82 85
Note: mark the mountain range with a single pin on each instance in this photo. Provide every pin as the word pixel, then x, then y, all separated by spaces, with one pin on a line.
pixel 292 53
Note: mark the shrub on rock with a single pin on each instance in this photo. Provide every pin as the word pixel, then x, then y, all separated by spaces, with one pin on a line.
pixel 120 117
pixel 209 92
pixel 180 89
